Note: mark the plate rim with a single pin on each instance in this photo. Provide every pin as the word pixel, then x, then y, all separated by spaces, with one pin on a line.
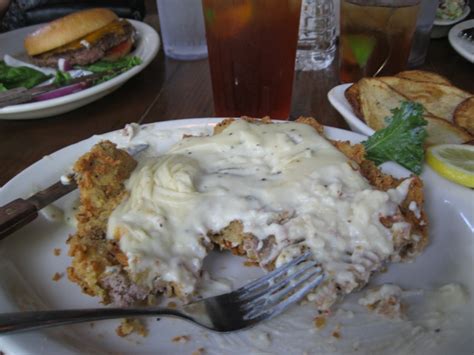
pixel 339 102
pixel 456 42
pixel 149 55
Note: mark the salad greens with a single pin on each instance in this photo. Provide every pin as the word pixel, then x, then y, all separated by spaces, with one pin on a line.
pixel 13 77
pixel 402 140
pixel 450 9
pixel 62 78
pixel 115 68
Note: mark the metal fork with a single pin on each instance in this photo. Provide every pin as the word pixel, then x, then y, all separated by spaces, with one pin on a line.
pixel 259 300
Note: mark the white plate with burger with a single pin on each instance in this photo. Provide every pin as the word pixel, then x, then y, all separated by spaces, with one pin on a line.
pixel 106 36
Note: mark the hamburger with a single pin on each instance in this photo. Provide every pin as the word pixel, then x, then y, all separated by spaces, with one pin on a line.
pixel 81 38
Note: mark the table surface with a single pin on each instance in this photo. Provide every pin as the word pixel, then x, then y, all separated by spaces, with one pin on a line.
pixel 169 89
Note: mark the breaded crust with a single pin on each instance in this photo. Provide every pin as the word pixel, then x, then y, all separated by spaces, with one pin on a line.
pixel 100 175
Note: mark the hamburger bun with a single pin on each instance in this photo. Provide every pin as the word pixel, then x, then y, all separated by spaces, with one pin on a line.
pixel 67 29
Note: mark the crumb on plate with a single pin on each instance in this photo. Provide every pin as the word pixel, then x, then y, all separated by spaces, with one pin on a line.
pixel 200 351
pixel 320 322
pixel 131 325
pixel 57 276
pixel 336 333
pixel 181 339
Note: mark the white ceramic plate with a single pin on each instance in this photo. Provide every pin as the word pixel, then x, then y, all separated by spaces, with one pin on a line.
pixel 147 47
pixel 27 264
pixel 460 45
pixel 339 102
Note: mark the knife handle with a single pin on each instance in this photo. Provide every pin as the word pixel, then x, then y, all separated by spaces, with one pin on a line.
pixel 15 215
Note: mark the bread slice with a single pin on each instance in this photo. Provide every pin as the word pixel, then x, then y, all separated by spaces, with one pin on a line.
pixel 423 76
pixel 464 115
pixel 376 99
pixel 444 132
pixel 438 99
pixel 352 95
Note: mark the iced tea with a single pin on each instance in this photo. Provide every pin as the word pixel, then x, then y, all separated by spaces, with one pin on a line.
pixel 376 37
pixel 252 48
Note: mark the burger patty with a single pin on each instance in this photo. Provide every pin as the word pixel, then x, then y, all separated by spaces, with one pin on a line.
pixel 86 54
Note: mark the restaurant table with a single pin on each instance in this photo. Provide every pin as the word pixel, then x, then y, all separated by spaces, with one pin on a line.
pixel 168 89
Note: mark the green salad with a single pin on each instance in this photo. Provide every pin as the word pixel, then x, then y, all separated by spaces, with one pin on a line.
pixel 450 9
pixel 27 77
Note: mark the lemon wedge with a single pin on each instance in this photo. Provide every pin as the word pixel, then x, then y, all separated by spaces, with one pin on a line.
pixel 453 161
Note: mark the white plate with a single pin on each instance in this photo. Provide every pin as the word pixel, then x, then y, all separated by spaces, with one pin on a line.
pixel 460 45
pixel 339 102
pixel 27 264
pixel 147 47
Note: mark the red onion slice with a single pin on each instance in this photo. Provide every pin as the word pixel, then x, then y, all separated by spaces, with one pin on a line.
pixel 63 91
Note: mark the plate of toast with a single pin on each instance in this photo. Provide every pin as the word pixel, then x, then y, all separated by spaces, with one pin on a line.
pixel 448 110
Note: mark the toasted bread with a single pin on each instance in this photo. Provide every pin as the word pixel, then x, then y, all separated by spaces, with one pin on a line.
pixel 438 99
pixel 443 132
pixel 376 100
pixel 423 76
pixel 464 115
pixel 352 95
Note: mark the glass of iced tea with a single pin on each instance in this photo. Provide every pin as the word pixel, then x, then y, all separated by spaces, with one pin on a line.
pixel 375 37
pixel 252 48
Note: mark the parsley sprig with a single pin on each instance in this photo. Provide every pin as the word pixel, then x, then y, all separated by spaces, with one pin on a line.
pixel 402 140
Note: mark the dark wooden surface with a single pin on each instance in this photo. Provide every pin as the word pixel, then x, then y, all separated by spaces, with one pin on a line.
pixel 169 89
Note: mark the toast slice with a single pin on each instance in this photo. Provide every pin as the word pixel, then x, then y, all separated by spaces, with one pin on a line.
pixel 438 99
pixel 375 99
pixel 423 76
pixel 443 132
pixel 464 115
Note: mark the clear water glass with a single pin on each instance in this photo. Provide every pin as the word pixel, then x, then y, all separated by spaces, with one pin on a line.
pixel 182 29
pixel 422 35
pixel 317 35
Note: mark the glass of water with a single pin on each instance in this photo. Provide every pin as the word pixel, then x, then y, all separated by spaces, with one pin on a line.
pixel 317 35
pixel 182 29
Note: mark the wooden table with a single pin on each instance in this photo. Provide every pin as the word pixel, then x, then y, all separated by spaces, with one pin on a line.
pixel 169 89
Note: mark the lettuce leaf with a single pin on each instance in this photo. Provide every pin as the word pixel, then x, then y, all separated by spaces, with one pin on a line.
pixel 402 140
pixel 14 77
pixel 62 78
pixel 115 68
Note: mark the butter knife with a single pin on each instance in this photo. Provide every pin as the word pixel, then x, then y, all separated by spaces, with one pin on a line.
pixel 20 212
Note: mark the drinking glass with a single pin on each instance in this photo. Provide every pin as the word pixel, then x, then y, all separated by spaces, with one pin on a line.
pixel 376 37
pixel 317 35
pixel 182 29
pixel 422 36
pixel 252 48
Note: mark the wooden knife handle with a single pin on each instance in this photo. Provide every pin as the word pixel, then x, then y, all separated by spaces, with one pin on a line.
pixel 15 215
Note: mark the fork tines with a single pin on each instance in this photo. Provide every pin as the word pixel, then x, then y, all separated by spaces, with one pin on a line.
pixel 274 293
